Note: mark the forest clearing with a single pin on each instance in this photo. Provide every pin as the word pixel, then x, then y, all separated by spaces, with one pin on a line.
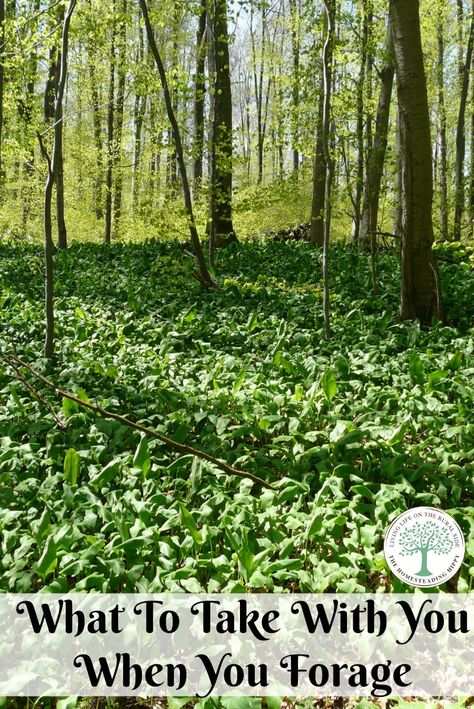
pixel 237 298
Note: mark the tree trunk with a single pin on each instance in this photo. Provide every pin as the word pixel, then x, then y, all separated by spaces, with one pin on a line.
pixel 50 94
pixel 199 98
pixel 2 92
pixel 319 180
pixel 59 154
pixel 172 164
pixel 53 166
pixel 139 110
pixel 99 148
pixel 110 134
pixel 51 83
pixel 471 181
pixel 119 113
pixel 295 46
pixel 48 264
pixel 359 187
pixel 420 286
pixel 25 105
pixel 443 148
pixel 203 275
pixel 377 153
pixel 221 227
pixel 461 138
pixel 59 179
pixel 258 77
pixel 330 6
pixel 138 119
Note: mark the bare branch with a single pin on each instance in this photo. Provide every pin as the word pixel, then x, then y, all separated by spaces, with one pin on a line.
pixel 180 447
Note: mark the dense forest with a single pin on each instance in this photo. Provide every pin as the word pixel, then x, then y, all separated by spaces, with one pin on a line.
pixel 237 295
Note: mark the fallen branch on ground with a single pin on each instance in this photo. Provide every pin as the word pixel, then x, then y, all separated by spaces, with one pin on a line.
pixel 14 361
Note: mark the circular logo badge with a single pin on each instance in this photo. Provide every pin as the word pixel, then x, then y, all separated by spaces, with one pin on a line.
pixel 424 547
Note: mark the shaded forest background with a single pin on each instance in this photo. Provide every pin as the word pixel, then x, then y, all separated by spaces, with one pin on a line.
pixel 121 176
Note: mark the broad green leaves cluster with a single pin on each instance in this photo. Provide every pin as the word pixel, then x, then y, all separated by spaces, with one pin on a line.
pixel 351 432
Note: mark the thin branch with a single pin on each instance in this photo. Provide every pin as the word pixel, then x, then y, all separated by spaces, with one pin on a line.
pixel 43 150
pixel 180 447
pixel 123 97
pixel 20 378
pixel 37 44
pixel 31 19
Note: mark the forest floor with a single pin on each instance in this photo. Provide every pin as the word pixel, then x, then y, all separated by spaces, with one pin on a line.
pixel 350 431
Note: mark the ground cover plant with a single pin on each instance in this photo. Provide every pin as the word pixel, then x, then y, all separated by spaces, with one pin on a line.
pixel 350 432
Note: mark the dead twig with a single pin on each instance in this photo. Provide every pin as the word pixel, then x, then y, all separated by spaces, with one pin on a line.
pixel 20 378
pixel 15 361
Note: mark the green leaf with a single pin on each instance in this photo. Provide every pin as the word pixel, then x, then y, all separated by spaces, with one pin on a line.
pixel 48 559
pixel 239 381
pixel 362 490
pixel 72 464
pixel 329 384
pixel 70 407
pixel 221 425
pixel 274 702
pixel 456 361
pixel 416 369
pixel 241 703
pixel 190 314
pixel 142 459
pixel 315 524
pixel 253 321
pixel 108 473
pixel 44 526
pixel 188 522
pixel 342 366
pixel 68 703
pixel 177 702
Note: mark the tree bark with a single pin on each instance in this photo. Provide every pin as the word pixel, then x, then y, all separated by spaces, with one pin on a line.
pixel 258 80
pixel 471 180
pixel 2 91
pixel 199 98
pixel 461 138
pixel 172 163
pixel 59 149
pixel 319 179
pixel 295 47
pixel 221 227
pixel 359 186
pixel 138 119
pixel 53 167
pixel 203 275
pixel 328 52
pixel 443 148
pixel 59 179
pixel 110 134
pixel 420 287
pixel 99 148
pixel 49 106
pixel 377 153
pixel 139 110
pixel 119 114
pixel 25 106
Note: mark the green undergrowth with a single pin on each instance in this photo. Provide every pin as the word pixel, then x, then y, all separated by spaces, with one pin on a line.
pixel 236 703
pixel 351 432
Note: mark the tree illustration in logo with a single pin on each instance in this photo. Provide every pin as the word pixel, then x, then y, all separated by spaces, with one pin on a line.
pixel 425 537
